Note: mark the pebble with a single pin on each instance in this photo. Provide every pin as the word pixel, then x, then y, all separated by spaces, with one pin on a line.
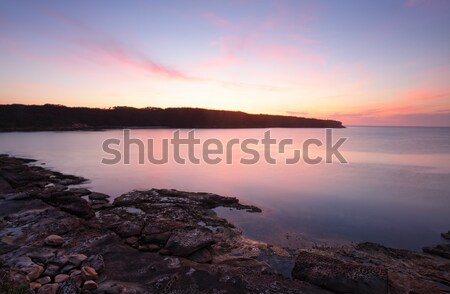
pixel 61 278
pixel 88 273
pixel 54 240
pixel 89 286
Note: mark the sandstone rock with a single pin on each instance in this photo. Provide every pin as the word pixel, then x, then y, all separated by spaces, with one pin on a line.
pixel 54 240
pixel 88 273
pixel 62 278
pixel 339 276
pixel 186 241
pixel 48 289
pixel 89 286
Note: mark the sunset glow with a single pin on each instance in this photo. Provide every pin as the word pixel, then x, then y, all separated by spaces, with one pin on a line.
pixel 360 62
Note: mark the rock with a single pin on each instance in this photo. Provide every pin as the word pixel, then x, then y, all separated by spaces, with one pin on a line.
pixel 96 262
pixel 35 285
pixel 446 235
pixel 201 256
pixel 76 259
pixel 89 286
pixel 68 288
pixel 129 229
pixel 42 256
pixel 339 276
pixel 44 280
pixel 79 208
pixel 131 240
pixel 165 251
pixel 149 248
pixel 88 273
pixel 33 272
pixel 54 240
pixel 4 185
pixel 80 191
pixel 62 278
pixel 186 241
pixel 98 196
pixel 159 238
pixel 48 289
pixel 75 273
pixel 442 250
pixel 52 270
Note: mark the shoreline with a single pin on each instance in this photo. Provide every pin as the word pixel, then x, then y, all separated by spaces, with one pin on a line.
pixel 53 235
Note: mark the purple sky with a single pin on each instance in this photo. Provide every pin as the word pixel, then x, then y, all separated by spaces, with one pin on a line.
pixel 362 62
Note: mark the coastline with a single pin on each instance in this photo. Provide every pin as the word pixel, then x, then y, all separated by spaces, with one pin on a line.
pixel 163 241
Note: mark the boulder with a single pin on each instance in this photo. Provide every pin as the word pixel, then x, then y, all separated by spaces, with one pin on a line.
pixel 98 196
pixel 129 229
pixel 186 241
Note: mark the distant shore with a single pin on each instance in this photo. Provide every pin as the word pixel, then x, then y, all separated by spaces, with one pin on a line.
pixel 17 117
pixel 57 237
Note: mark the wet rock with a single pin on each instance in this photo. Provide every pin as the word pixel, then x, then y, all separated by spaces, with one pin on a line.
pixel 88 273
pixel 201 256
pixel 98 196
pixel 442 250
pixel 89 286
pixel 54 240
pixel 48 289
pixel 339 276
pixel 62 278
pixel 129 229
pixel 96 262
pixel 185 242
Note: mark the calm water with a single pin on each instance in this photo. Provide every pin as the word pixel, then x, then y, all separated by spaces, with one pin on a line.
pixel 395 189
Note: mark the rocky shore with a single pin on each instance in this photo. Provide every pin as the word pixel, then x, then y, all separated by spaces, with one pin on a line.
pixel 57 238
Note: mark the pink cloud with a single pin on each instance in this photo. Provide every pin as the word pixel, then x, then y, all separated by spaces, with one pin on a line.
pixel 102 45
pixel 122 54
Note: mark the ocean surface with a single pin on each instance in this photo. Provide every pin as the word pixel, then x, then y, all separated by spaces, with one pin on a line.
pixel 394 188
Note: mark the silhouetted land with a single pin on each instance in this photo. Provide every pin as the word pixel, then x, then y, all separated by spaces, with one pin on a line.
pixel 17 117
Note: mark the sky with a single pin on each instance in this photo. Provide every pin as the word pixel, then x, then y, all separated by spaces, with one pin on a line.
pixel 360 62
